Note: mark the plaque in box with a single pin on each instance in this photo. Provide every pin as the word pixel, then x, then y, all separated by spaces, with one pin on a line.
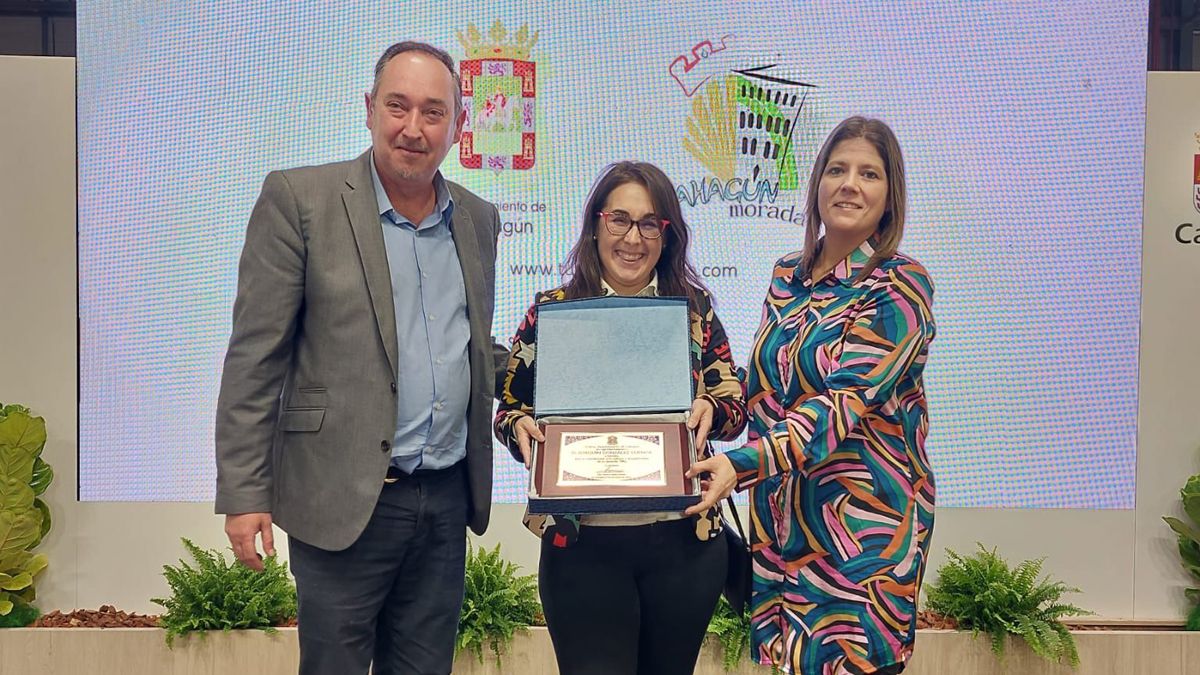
pixel 612 393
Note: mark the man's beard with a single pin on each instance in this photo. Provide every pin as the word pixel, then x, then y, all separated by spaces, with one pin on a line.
pixel 408 172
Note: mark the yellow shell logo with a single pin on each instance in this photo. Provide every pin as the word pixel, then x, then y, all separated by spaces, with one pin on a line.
pixel 711 138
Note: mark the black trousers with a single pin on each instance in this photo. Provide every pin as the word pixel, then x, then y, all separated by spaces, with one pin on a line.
pixel 393 597
pixel 631 600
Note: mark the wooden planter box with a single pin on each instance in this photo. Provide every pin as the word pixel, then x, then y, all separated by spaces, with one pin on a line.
pixel 138 651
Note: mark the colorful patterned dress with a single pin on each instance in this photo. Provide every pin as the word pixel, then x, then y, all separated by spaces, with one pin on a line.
pixel 842 505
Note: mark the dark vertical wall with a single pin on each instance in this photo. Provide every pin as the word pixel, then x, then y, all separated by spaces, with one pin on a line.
pixel 37 27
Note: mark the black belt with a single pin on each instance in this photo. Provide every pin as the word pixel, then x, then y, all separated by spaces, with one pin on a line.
pixel 394 474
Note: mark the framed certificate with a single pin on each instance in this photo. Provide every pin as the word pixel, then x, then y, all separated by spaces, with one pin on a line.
pixel 594 460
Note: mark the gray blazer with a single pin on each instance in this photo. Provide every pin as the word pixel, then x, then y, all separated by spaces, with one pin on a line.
pixel 307 407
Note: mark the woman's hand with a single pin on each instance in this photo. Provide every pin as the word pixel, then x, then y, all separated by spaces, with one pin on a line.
pixel 700 422
pixel 525 429
pixel 721 479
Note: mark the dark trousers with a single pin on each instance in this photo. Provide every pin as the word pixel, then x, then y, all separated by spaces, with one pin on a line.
pixel 394 596
pixel 631 600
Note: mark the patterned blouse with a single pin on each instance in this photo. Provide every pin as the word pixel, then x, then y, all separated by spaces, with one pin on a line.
pixel 842 505
pixel 714 378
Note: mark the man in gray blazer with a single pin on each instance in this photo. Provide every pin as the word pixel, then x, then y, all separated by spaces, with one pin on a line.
pixel 357 391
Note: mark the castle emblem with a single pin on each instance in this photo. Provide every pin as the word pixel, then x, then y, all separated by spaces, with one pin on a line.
pixel 499 90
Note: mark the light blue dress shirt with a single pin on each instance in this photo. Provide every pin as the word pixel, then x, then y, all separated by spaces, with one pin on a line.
pixel 432 332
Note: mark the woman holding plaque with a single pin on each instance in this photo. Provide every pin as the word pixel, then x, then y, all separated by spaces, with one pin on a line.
pixel 842 498
pixel 630 593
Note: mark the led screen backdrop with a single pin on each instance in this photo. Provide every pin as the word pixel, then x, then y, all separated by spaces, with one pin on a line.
pixel 1021 122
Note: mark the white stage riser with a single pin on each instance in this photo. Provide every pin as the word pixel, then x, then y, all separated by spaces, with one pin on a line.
pixel 51 651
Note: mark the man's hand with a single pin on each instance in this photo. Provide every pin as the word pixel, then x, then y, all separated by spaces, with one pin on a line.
pixel 700 422
pixel 721 479
pixel 242 529
pixel 526 429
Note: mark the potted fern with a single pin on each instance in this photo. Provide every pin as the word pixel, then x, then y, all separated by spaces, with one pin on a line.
pixel 217 594
pixel 24 517
pixel 732 633
pixel 497 602
pixel 984 595
pixel 1188 535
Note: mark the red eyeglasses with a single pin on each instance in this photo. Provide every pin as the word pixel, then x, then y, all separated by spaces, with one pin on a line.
pixel 618 224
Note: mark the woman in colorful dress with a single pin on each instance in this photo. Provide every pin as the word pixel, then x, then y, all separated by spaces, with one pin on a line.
pixel 842 498
pixel 632 593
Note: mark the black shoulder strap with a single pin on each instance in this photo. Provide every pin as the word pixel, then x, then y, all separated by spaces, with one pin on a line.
pixel 737 521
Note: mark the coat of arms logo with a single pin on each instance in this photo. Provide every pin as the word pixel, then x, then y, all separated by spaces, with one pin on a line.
pixel 499 89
